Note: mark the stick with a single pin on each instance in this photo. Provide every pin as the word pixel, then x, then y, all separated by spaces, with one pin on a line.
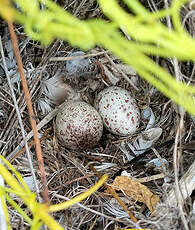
pixel 30 111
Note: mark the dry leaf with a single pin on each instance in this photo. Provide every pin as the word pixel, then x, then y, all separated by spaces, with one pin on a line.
pixel 136 190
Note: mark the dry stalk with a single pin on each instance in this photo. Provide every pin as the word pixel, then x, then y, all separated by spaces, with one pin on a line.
pixel 30 111
pixel 91 210
pixel 21 151
pixel 41 124
pixel 150 178
pixel 121 72
pixel 76 57
pixel 179 197
pixel 112 191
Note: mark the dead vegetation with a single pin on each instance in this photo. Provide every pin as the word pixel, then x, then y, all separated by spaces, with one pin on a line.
pixel 69 173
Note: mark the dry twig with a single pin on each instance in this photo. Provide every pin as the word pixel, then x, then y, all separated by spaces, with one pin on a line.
pixel 31 112
pixel 112 191
pixel 76 57
pixel 41 124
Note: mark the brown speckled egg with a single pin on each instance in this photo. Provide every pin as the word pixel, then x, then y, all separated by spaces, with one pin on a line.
pixel 118 110
pixel 79 126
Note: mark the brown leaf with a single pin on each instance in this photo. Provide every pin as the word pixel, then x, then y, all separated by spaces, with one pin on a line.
pixel 136 190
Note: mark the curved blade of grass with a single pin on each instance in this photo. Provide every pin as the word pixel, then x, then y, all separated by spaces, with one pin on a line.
pixel 77 199
pixel 16 207
pixel 176 6
pixel 39 211
pixel 52 22
pixel 36 223
pixel 16 173
pixel 151 31
pixel 177 91
pixel 6 10
pixel 4 217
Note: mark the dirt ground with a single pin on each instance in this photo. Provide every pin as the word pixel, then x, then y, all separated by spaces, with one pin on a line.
pixel 68 172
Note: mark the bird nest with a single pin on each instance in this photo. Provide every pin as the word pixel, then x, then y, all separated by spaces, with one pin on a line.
pixel 69 172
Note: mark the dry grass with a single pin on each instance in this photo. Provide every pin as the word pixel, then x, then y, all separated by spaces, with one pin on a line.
pixel 68 173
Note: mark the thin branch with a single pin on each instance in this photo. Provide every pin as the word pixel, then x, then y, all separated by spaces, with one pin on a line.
pixel 91 210
pixel 76 57
pixel 30 111
pixel 121 72
pixel 41 124
pixel 114 194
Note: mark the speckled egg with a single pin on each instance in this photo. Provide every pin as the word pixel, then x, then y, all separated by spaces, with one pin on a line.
pixel 118 110
pixel 79 126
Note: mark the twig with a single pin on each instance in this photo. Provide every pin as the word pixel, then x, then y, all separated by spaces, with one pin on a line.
pixel 121 72
pixel 5 128
pixel 161 160
pixel 150 178
pixel 76 57
pixel 41 124
pixel 21 151
pixel 178 77
pixel 112 191
pixel 93 224
pixel 91 210
pixel 184 187
pixel 72 181
pixel 102 71
pixel 175 61
pixel 30 111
